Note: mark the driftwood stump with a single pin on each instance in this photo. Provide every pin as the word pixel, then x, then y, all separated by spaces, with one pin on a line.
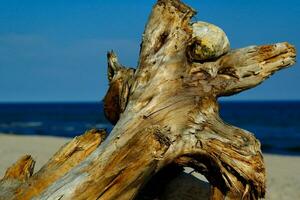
pixel 166 112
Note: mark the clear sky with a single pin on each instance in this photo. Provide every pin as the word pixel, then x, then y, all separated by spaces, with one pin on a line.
pixel 54 50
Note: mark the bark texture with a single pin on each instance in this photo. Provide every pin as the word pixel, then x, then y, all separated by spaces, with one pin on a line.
pixel 165 112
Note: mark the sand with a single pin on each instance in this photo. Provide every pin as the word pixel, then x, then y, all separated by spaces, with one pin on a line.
pixel 283 176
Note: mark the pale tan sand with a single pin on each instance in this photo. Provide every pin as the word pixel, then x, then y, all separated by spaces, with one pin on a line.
pixel 283 176
pixel 12 147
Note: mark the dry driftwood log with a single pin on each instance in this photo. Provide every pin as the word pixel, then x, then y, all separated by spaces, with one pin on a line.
pixel 166 112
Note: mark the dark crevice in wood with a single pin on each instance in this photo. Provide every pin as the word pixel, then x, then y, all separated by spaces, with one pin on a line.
pixel 162 39
pixel 165 112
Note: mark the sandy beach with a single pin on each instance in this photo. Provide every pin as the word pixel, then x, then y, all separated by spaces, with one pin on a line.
pixel 283 179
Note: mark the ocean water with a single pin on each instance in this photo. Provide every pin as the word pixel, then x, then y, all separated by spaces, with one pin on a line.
pixel 276 124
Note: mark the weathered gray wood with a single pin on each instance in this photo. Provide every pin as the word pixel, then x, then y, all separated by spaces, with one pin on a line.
pixel 15 176
pixel 167 112
pixel 20 182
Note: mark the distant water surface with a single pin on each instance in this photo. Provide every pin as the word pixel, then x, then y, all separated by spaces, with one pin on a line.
pixel 276 124
pixel 57 119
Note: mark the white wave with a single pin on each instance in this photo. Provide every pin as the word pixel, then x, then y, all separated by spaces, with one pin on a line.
pixel 21 124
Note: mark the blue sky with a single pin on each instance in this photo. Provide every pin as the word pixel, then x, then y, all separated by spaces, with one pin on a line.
pixel 56 50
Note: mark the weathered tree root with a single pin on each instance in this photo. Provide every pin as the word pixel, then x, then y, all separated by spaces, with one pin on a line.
pixel 166 111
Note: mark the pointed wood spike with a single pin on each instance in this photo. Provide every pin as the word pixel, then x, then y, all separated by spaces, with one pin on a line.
pixel 20 170
pixel 113 65
pixel 67 157
pixel 166 111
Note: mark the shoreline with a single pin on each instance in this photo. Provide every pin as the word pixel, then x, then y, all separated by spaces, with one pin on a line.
pixel 283 181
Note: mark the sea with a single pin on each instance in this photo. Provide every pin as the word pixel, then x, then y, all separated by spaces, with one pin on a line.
pixel 275 124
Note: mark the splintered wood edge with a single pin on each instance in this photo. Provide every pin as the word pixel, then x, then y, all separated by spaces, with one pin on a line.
pixel 104 172
pixel 78 148
pixel 20 170
pixel 69 156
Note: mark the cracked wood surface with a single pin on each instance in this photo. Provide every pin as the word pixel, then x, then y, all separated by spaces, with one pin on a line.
pixel 166 111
